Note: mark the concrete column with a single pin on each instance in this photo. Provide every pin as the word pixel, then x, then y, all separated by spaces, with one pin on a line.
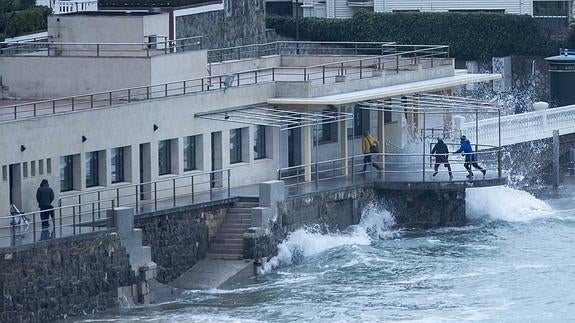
pixel 381 135
pixel 344 147
pixel 307 146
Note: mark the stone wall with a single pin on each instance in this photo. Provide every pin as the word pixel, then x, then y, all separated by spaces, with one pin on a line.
pixel 180 237
pixel 65 277
pixel 242 22
pixel 425 208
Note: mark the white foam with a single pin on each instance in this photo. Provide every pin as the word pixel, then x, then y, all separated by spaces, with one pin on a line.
pixel 375 223
pixel 505 204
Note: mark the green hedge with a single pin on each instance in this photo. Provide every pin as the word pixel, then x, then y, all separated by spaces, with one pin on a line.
pixel 469 35
pixel 24 21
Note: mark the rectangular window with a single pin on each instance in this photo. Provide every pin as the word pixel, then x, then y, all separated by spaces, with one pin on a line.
pixel 33 168
pixel 25 169
pixel 41 167
pixel 190 153
pixel 48 165
pixel 92 169
pixel 260 142
pixel 235 146
pixel 66 173
pixel 117 165
pixel 4 173
pixel 165 157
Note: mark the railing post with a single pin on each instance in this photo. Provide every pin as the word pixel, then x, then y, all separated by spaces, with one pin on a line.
pixel 137 198
pixel 34 109
pixel 118 196
pixel 323 74
pixel 93 217
pixel 229 186
pixel 423 143
pixel 73 220
pixel 476 129
pixel 304 74
pixel 499 168
pixel 15 112
pixel 174 191
pixel 54 107
pixel 193 189
pixel 91 101
pixel 166 90
pixel 97 50
pixel 34 225
pixel 72 103
pixel 273 74
pixel 60 212
pixel 360 70
pixel 155 196
pixel 397 64
pixel 202 84
pixel 129 95
pixel 110 93
pixel 256 77
pixel 185 87
pixel 147 92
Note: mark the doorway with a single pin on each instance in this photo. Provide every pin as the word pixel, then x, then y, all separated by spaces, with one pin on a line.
pixel 15 179
pixel 294 147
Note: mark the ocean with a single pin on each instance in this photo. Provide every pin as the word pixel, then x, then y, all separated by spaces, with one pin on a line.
pixel 513 262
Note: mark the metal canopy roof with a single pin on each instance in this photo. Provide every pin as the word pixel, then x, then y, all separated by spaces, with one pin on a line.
pixel 430 103
pixel 274 117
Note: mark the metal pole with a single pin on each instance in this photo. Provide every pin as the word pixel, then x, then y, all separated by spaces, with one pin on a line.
pixel 556 158
pixel 423 142
pixel 476 129
pixel 193 189
pixel 353 147
pixel 316 155
pixel 499 170
pixel 229 176
pixel 155 197
pixel 174 190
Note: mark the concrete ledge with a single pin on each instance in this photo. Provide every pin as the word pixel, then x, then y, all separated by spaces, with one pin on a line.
pixel 443 185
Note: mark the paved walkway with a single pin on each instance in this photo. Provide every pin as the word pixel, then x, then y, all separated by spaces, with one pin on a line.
pixel 211 274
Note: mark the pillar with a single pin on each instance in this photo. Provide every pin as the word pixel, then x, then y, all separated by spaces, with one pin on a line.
pixel 381 136
pixel 307 146
pixel 344 147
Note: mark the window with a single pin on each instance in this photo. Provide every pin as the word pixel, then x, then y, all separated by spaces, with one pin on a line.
pixel 260 142
pixel 190 153
pixel 361 122
pixel 66 173
pixel 41 167
pixel 92 169
pixel 117 164
pixel 25 169
pixel 33 168
pixel 235 146
pixel 551 8
pixel 48 165
pixel 165 157
pixel 4 173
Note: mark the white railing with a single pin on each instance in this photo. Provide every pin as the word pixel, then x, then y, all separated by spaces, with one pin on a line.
pixel 522 127
pixel 70 6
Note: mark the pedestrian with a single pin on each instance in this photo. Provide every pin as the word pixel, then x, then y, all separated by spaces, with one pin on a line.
pixel 369 147
pixel 441 153
pixel 470 157
pixel 44 197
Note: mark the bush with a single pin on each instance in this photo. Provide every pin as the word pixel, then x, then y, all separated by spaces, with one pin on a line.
pixel 469 35
pixel 24 21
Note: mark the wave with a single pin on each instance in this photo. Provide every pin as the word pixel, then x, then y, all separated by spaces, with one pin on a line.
pixel 504 204
pixel 376 223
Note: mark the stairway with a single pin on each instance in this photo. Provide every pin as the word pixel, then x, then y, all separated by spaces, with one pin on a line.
pixel 228 243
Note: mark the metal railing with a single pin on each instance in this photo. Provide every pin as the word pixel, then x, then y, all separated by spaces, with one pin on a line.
pixel 297 48
pixel 396 62
pixel 395 167
pixel 160 194
pixel 151 48
pixel 69 220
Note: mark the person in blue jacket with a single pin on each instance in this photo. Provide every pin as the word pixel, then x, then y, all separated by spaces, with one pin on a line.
pixel 470 157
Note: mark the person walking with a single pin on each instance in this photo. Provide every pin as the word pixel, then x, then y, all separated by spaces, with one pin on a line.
pixel 441 153
pixel 369 147
pixel 470 157
pixel 44 197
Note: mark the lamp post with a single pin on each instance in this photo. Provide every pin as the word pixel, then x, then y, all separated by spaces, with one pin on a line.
pixel 296 6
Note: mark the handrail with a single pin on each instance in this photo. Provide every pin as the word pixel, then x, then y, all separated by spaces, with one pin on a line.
pixel 154 192
pixel 69 220
pixel 324 73
pixel 98 49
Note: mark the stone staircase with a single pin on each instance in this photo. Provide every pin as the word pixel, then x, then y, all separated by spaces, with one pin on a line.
pixel 228 243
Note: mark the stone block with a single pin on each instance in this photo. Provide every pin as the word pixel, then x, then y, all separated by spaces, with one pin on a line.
pixel 271 192
pixel 261 217
pixel 124 220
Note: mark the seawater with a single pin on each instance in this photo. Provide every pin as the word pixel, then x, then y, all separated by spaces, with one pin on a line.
pixel 513 262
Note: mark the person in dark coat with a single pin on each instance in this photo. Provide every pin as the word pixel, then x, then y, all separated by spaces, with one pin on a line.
pixel 44 197
pixel 470 157
pixel 441 153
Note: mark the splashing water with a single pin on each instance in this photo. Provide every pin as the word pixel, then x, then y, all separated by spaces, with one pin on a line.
pixel 504 203
pixel 375 223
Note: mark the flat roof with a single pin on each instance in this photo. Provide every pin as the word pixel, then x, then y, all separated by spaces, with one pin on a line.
pixel 119 13
pixel 389 91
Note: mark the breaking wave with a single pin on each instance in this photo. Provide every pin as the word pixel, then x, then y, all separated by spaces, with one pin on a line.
pixel 376 223
pixel 505 204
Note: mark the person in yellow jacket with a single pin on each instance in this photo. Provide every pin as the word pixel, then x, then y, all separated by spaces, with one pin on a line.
pixel 368 147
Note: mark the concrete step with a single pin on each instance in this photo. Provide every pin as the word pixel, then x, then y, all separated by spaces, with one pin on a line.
pixel 225 256
pixel 229 225
pixel 226 248
pixel 229 236
pixel 237 221
pixel 239 231
pixel 246 204
pixel 235 240
pixel 239 211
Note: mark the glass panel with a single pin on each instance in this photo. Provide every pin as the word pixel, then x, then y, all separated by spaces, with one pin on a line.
pixel 92 176
pixel 189 153
pixel 164 157
pixel 260 142
pixel 117 171
pixel 66 173
pixel 235 146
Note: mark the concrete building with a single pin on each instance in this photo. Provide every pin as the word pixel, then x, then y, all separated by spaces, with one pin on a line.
pixel 161 125
pixel 69 6
pixel 346 8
